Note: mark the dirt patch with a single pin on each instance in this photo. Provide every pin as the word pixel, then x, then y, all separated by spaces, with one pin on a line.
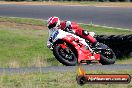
pixel 21 26
pixel 13 64
pixel 98 4
pixel 115 4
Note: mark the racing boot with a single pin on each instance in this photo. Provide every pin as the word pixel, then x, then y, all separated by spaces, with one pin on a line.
pixel 95 44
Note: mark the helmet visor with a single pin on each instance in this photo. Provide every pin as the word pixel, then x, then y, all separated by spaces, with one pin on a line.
pixel 52 25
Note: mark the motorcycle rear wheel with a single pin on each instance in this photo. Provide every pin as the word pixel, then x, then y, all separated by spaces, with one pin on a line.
pixel 106 59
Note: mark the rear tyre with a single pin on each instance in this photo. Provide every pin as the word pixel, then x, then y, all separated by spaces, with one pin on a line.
pixel 107 57
pixel 65 56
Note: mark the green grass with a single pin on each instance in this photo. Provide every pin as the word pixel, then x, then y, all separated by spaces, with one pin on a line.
pixel 22 20
pixel 55 80
pixel 125 60
pixel 105 31
pixel 23 48
pixel 27 48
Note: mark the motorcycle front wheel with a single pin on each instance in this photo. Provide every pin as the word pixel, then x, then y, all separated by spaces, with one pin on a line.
pixel 66 56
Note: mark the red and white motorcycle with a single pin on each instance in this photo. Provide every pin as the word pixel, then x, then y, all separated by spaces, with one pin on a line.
pixel 70 49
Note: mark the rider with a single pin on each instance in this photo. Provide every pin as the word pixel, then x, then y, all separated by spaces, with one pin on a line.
pixel 72 27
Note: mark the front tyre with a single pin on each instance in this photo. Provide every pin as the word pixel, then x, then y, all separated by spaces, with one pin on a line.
pixel 65 56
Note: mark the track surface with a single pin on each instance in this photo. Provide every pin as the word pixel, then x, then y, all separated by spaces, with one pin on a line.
pixel 105 16
pixel 64 69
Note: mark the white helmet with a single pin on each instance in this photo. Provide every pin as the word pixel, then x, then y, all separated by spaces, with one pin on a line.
pixel 53 22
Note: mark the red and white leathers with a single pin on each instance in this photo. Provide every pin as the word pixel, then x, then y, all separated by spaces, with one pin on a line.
pixel 54 23
pixel 77 30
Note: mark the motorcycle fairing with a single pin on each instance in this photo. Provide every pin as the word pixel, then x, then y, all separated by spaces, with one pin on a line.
pixel 77 42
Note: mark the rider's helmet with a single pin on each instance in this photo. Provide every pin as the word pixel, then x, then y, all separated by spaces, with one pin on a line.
pixel 53 22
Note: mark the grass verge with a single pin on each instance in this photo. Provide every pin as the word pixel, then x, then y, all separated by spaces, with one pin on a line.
pixel 28 21
pixel 55 80
pixel 23 44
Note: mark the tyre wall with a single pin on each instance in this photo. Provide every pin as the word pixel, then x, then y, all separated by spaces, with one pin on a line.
pixel 120 44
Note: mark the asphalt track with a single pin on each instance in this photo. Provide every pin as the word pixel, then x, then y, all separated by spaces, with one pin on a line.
pixel 65 69
pixel 105 16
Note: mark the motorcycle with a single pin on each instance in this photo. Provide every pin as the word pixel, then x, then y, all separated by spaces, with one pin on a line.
pixel 70 49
